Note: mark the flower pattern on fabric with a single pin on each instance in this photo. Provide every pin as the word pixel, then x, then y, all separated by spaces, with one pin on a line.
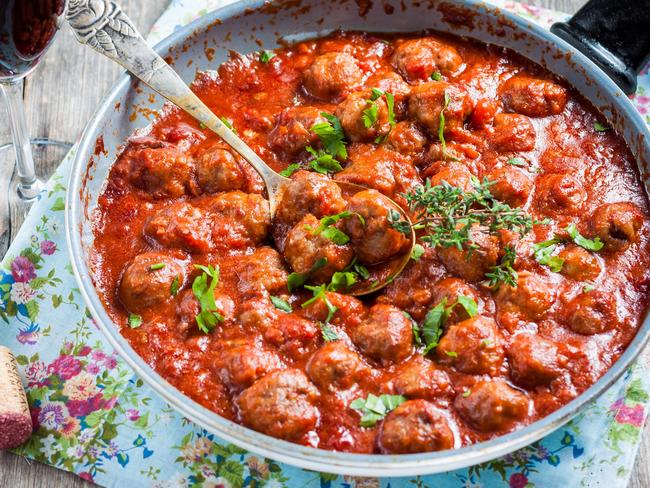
pixel 94 417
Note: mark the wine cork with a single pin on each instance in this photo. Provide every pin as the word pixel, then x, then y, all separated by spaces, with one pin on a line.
pixel 15 420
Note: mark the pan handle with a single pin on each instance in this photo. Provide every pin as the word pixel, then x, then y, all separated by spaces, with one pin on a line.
pixel 613 34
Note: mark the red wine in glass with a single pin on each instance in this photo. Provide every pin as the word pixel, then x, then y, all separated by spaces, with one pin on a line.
pixel 27 28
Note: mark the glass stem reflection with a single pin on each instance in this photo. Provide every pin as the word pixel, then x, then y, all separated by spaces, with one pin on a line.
pixel 28 185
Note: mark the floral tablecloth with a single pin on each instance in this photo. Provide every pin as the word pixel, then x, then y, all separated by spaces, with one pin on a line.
pixel 94 417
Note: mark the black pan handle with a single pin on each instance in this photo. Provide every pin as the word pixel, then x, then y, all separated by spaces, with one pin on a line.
pixel 615 34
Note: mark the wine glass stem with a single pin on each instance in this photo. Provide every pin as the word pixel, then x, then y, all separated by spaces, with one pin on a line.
pixel 28 185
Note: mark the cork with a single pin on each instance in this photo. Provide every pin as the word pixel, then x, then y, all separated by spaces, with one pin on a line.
pixel 15 419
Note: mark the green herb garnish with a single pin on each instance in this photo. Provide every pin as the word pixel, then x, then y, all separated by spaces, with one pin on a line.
pixel 173 289
pixel 320 293
pixel 332 136
pixel 436 76
pixel 369 115
pixel 396 222
pixel 296 280
pixel 374 408
pixel 280 304
pixel 209 316
pixel 156 266
pixel 228 124
pixel 441 124
pixel 135 321
pixel 435 319
pixel 266 56
pixel 599 127
pixel 467 393
pixel 342 280
pixel 517 162
pixel 323 162
pixel 451 354
pixel 588 244
pixel 328 333
pixel 417 252
pixel 543 253
pixel 289 170
pixel 468 303
pixel 588 287
pixel 504 271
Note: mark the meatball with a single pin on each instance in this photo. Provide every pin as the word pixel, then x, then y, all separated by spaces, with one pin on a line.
pixel 450 289
pixel 308 193
pixel 427 100
pixel 282 404
pixel 420 378
pixel 142 287
pixel 303 248
pixel 356 125
pixel 332 75
pixel 264 268
pixel 188 307
pixel 335 365
pixel 292 334
pixel 415 426
pixel 492 406
pixel 531 298
pixel 248 210
pixel 533 97
pixel 350 311
pixel 617 225
pixel 218 169
pixel 257 312
pixel 511 185
pixel 163 172
pixel 390 82
pixel 472 346
pixel 418 59
pixel 373 237
pixel 406 139
pixel 579 263
pixel 592 312
pixel 513 132
pixel 560 193
pixel 454 173
pixel 386 335
pixel 468 263
pixel 182 226
pixel 534 360
pixel 292 132
pixel 243 364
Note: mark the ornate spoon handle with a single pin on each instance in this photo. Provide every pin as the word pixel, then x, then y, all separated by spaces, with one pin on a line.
pixel 103 26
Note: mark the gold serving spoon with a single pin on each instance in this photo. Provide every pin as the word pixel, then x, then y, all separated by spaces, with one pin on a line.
pixel 104 27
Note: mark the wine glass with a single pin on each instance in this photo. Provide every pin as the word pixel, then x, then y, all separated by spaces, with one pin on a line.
pixel 27 28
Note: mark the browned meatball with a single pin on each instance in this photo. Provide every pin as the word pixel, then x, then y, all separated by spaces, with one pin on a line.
pixel 473 346
pixel 244 363
pixel 349 314
pixel 472 264
pixel 182 226
pixel 335 365
pixel 332 75
pixel 292 333
pixel 257 312
pixel 592 312
pixel 415 426
pixel 282 404
pixel 218 169
pixel 450 289
pixel 579 263
pixel 418 59
pixel 533 97
pixel 264 268
pixel 351 114
pixel 248 210
pixel 420 378
pixel 454 173
pixel 406 139
pixel 561 193
pixel 513 132
pixel 373 237
pixel 292 132
pixel 163 172
pixel 390 82
pixel 188 307
pixel 308 193
pixel 492 406
pixel 511 185
pixel 531 298
pixel 386 335
pixel 617 225
pixel 142 287
pixel 534 360
pixel 303 248
pixel 427 100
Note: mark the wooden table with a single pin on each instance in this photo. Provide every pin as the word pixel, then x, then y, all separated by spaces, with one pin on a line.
pixel 60 97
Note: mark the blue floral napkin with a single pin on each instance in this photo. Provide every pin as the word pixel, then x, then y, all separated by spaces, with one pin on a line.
pixel 93 416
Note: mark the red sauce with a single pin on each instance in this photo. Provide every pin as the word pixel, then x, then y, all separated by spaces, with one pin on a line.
pixel 530 348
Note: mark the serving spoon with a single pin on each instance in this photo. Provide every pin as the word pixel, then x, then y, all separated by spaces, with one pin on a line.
pixel 102 25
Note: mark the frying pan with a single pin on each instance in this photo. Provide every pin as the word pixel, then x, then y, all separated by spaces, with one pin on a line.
pixel 615 35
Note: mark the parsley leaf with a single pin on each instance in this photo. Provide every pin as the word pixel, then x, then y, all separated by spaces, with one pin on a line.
pixel 377 93
pixel 396 222
pixel 209 316
pixel 342 280
pixel 320 293
pixel 331 135
pixel 451 354
pixel 517 162
pixel 431 329
pixel 374 408
pixel 323 162
pixel 362 271
pixel 588 244
pixel 289 170
pixel 135 321
pixel 228 124
pixel 441 124
pixel 328 333
pixel 467 393
pixel 326 229
pixel 543 253
pixel 468 303
pixel 600 127
pixel 173 289
pixel 588 287
pixel 266 56
pixel 504 272
pixel 296 280
pixel 436 76
pixel 369 115
pixel 156 266
pixel 281 304
pixel 417 252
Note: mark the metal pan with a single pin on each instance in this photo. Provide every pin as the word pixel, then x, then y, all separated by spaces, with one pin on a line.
pixel 247 25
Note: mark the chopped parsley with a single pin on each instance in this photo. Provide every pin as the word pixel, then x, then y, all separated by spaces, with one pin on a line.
pixel 157 266
pixel 209 316
pixel 517 162
pixel 228 124
pixel 331 135
pixel 588 287
pixel 323 161
pixel 467 393
pixel 369 115
pixel 135 321
pixel 328 333
pixel 320 293
pixel 599 127
pixel 281 304
pixel 451 354
pixel 436 76
pixel 504 271
pixel 588 244
pixel 289 170
pixel 342 280
pixel 441 124
pixel 374 408
pixel 468 303
pixel 543 253
pixel 417 252
pixel 326 227
pixel 296 280
pixel 431 329
pixel 361 270
pixel 173 289
pixel 266 56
